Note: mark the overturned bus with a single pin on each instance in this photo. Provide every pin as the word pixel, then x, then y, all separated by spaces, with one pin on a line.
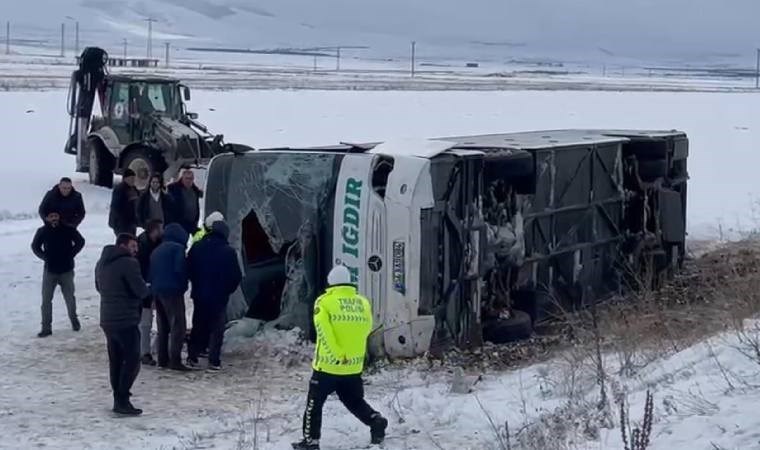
pixel 455 240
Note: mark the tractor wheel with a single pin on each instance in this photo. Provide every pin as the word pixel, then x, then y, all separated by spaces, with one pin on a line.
pixel 101 164
pixel 140 161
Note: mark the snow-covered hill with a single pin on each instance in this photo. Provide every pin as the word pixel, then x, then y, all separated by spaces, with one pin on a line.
pixel 701 31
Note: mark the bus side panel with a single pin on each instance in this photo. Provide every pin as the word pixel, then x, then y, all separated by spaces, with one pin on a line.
pixel 352 220
pixel 406 333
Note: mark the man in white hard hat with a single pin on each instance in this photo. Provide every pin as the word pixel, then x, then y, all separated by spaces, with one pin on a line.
pixel 343 321
pixel 215 216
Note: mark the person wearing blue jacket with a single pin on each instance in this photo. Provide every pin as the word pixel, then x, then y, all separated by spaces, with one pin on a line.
pixel 215 274
pixel 168 283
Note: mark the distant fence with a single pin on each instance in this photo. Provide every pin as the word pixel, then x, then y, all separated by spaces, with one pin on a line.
pixel 130 62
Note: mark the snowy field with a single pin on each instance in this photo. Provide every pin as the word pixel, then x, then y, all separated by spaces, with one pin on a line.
pixel 31 68
pixel 24 72
pixel 54 392
pixel 724 132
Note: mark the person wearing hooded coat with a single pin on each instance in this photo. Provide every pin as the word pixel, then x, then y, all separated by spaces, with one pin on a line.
pixel 215 274
pixel 122 293
pixel 168 283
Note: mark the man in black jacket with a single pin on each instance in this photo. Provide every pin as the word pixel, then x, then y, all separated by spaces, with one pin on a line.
pixel 122 217
pixel 122 293
pixel 186 197
pixel 64 200
pixel 57 244
pixel 215 274
pixel 146 243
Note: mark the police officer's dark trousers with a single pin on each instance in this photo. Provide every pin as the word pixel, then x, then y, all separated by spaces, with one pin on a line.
pixel 350 391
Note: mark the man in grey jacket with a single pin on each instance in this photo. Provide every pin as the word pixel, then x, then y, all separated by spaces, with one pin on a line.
pixel 122 294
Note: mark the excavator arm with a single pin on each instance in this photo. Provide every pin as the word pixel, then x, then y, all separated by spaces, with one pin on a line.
pixel 86 82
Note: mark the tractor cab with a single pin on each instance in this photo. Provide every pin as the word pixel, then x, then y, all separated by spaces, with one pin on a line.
pixel 132 104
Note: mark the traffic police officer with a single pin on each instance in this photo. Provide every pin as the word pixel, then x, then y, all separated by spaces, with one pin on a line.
pixel 343 322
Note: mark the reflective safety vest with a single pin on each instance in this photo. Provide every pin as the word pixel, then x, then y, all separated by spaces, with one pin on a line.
pixel 343 322
pixel 200 234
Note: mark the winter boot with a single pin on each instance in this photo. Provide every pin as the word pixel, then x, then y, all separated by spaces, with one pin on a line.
pixel 306 444
pixel 147 359
pixel 75 325
pixel 193 363
pixel 179 367
pixel 125 407
pixel 44 333
pixel 377 428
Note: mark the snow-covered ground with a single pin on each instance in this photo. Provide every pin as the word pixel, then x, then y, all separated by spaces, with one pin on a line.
pixel 54 392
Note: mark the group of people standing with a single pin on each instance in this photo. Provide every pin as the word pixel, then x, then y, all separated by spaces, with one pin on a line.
pixel 154 270
pixel 178 203
pixel 62 210
pixel 138 275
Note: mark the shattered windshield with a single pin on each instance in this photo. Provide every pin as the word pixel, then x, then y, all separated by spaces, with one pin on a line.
pixel 281 201
pixel 285 190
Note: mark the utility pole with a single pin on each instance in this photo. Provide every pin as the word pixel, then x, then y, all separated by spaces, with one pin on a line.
pixel 76 33
pixel 150 35
pixel 757 70
pixel 63 42
pixel 125 50
pixel 414 45
pixel 337 66
pixel 167 54
pixel 8 37
pixel 315 63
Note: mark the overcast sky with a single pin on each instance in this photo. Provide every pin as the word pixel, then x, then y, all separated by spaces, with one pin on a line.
pixel 643 29
pixel 637 27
